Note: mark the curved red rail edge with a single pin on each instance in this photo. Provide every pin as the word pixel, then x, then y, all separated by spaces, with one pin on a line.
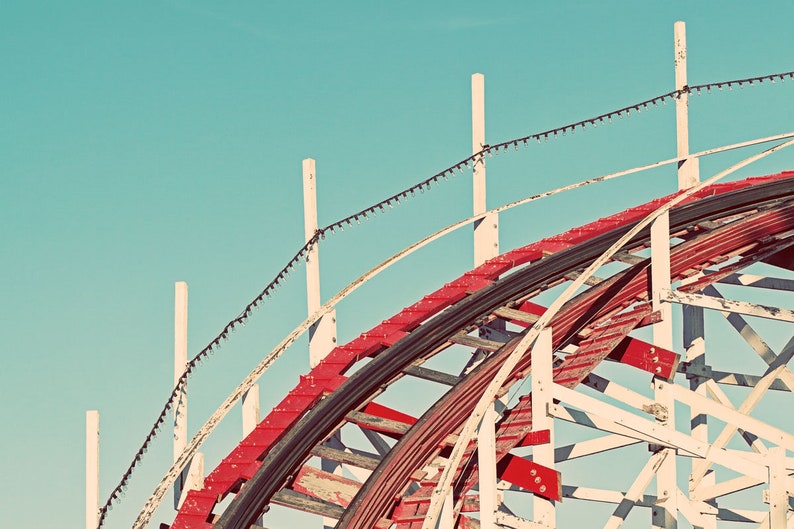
pixel 243 461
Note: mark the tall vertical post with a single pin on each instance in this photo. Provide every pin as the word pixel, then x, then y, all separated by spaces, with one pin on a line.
pixel 665 511
pixel 486 246
pixel 91 469
pixel 688 170
pixel 486 230
pixel 688 176
pixel 660 280
pixel 250 405
pixel 250 409
pixel 778 495
pixel 322 335
pixel 542 395
pixel 695 345
pixel 192 475
pixel 486 462
pixel 180 361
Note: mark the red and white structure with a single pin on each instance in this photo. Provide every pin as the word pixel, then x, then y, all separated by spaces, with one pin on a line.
pixel 545 357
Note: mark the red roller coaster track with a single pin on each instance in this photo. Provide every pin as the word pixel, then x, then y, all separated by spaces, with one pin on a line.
pixel 727 226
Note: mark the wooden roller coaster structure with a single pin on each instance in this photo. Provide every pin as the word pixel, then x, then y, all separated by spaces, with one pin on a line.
pixel 531 390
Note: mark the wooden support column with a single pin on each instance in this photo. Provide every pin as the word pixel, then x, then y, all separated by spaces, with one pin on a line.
pixel 660 280
pixel 486 230
pixel 91 469
pixel 695 345
pixel 192 476
pixel 688 170
pixel 250 403
pixel 542 396
pixel 322 335
pixel 180 360
pixel 778 497
pixel 486 462
pixel 665 512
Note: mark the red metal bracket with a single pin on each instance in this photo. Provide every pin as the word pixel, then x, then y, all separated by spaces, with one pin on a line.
pixel 529 475
pixel 642 355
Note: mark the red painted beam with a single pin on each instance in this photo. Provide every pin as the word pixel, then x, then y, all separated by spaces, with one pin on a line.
pixel 529 475
pixel 642 355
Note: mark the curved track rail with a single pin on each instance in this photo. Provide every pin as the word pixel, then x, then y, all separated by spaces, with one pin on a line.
pixel 269 466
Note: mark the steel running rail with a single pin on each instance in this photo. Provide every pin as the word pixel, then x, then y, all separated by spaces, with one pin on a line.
pixel 301 254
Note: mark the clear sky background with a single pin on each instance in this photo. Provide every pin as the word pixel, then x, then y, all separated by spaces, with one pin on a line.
pixel 143 143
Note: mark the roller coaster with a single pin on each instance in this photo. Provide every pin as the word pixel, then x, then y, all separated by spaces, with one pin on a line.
pixel 534 365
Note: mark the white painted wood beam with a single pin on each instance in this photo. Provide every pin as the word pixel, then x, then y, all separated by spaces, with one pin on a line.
pixel 688 173
pixel 486 230
pixel 716 393
pixel 322 334
pixel 661 434
pixel 599 422
pixel 736 419
pixel 542 396
pixel 636 489
pixel 625 395
pixel 778 496
pixel 776 368
pixel 250 405
pixel 728 305
pixel 91 469
pixel 486 463
pixel 756 281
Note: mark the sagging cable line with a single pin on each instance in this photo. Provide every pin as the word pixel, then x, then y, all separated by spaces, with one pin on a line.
pixel 303 252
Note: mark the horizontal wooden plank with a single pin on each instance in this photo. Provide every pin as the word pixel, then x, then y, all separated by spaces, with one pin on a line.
pixel 626 257
pixel 590 281
pixel 305 503
pixel 325 486
pixel 517 315
pixel 378 424
pixel 476 342
pixel 432 375
pixel 346 458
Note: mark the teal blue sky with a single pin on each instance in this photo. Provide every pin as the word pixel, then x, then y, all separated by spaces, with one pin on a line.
pixel 143 143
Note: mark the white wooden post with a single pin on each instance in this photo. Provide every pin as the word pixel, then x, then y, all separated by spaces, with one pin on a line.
pixel 250 409
pixel 180 360
pixel 542 397
pixel 660 280
pixel 695 345
pixel 778 496
pixel 688 170
pixel 322 335
pixel 91 469
pixel 665 512
pixel 486 230
pixel 486 462
pixel 192 476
